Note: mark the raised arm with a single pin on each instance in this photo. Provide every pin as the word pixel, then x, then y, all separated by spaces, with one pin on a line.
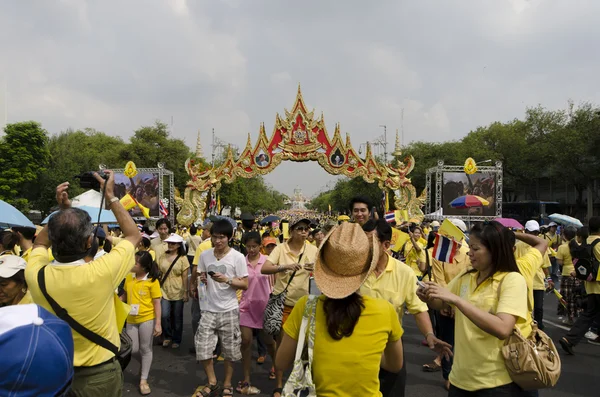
pixel 536 242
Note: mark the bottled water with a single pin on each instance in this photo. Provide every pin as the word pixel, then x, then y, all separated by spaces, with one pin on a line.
pixel 201 291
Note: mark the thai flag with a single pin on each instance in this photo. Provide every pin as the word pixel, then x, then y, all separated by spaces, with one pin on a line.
pixel 163 210
pixel 390 216
pixel 444 248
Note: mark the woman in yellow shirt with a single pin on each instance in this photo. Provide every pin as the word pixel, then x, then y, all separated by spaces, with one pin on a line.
pixel 144 321
pixel 415 252
pixel 350 331
pixel 489 301
pixel 569 284
pixel 13 287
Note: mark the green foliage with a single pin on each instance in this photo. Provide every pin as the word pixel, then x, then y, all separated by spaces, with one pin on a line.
pixel 251 195
pixel 345 189
pixel 24 156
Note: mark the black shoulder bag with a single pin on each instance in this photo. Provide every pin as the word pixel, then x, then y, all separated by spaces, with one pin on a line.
pixel 123 354
pixel 164 278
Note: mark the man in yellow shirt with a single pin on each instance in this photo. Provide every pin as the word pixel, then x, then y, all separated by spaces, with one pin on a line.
pixel 163 227
pixel 395 282
pixel 85 287
pixel 581 326
pixel 26 235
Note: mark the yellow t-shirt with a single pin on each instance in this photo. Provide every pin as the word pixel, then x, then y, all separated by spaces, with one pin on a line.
pixel 361 351
pixel 159 246
pixel 529 265
pixel 478 362
pixel 173 288
pixel 282 255
pixel 564 255
pixel 86 291
pixel 444 272
pixel 142 292
pixel 412 256
pixel 593 287
pixel 521 249
pixel 206 244
pixel 27 299
pixel 397 284
pixel 26 254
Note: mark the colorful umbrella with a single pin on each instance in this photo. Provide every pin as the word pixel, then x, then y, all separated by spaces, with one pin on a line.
pixel 10 216
pixel 566 220
pixel 469 201
pixel 510 223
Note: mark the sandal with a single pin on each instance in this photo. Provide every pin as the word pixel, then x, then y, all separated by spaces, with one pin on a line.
pixel 260 360
pixel 248 390
pixel 145 389
pixel 433 367
pixel 200 392
pixel 166 343
pixel 272 374
pixel 279 391
pixel 229 391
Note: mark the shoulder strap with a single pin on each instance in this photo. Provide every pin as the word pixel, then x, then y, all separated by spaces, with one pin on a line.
pixel 64 315
pixel 162 281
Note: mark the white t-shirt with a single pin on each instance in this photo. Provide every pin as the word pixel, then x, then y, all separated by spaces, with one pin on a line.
pixel 221 297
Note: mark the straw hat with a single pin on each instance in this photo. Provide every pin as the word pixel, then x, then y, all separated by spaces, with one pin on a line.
pixel 345 259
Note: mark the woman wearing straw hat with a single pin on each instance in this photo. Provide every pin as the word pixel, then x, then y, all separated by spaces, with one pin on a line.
pixel 351 331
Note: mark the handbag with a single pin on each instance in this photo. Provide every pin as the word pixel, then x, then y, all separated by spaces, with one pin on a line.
pixel 162 277
pixel 122 353
pixel 300 382
pixel 273 317
pixel 533 362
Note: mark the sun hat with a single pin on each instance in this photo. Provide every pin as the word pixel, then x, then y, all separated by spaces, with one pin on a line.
pixel 37 352
pixel 269 240
pixel 532 226
pixel 10 265
pixel 174 238
pixel 345 259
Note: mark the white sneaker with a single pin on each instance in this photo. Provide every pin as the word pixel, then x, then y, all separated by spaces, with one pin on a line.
pixel 591 335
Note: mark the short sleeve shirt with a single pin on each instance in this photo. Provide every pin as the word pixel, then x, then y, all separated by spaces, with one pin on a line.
pixel 377 325
pixel 593 287
pixel 282 255
pixel 142 292
pixel 173 288
pixel 564 255
pixel 221 297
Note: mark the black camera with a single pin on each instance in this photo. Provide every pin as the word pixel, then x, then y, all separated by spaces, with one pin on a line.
pixel 88 181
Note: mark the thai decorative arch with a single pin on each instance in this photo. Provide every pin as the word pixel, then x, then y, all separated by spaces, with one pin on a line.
pixel 300 137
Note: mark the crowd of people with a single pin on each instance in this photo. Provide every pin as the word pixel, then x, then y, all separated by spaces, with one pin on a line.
pixel 331 291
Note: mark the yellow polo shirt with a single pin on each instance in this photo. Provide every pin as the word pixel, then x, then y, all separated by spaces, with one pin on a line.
pixel 282 255
pixel 206 244
pixel 593 287
pixel 26 254
pixel 412 256
pixel 478 362
pixel 159 246
pixel 563 253
pixel 361 351
pixel 397 284
pixel 444 272
pixel 529 265
pixel 86 291
pixel 522 248
pixel 142 292
pixel 27 299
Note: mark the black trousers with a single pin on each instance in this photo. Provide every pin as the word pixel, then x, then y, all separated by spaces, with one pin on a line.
pixel 538 307
pixel 510 390
pixel 392 384
pixel 583 322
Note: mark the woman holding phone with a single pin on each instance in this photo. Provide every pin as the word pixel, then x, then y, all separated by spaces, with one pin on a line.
pixel 291 262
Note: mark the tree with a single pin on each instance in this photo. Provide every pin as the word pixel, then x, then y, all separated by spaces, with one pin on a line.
pixel 251 195
pixel 24 156
pixel 345 189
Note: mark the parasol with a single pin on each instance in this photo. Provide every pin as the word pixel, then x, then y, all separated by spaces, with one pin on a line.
pixel 469 201
pixel 269 219
pixel 565 220
pixel 10 216
pixel 105 217
pixel 228 219
pixel 510 223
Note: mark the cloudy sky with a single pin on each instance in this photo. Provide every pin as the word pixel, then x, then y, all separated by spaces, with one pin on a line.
pixel 232 64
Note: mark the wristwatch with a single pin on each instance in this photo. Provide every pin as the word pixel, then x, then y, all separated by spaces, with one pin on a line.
pixel 229 281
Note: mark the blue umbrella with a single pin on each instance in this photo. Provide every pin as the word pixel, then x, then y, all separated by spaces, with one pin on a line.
pixel 269 219
pixel 228 219
pixel 10 216
pixel 565 220
pixel 106 216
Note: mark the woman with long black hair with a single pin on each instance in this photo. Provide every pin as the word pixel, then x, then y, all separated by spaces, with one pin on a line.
pixel 489 301
pixel 350 331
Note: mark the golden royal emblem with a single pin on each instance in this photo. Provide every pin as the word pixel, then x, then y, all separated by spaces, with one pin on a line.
pixel 470 166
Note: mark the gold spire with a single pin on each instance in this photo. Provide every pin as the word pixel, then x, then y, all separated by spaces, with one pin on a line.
pixel 397 150
pixel 199 153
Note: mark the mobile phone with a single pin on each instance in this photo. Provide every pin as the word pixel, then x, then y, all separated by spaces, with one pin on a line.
pixel 211 273
pixel 421 284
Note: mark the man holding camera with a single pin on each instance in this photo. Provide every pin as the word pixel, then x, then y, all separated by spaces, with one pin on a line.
pixel 85 287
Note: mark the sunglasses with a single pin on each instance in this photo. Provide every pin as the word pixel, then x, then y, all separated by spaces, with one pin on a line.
pixel 302 229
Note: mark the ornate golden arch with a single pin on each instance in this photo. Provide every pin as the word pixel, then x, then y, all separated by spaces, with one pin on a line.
pixel 300 137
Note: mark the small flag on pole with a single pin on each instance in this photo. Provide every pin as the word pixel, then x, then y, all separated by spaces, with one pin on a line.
pixel 163 209
pixel 560 298
pixel 390 216
pixel 444 248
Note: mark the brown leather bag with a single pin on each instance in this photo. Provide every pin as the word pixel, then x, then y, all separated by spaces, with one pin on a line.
pixel 533 362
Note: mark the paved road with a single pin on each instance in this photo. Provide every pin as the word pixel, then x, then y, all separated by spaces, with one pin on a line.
pixel 176 373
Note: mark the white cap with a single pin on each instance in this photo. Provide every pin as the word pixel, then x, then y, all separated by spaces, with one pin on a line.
pixel 435 224
pixel 552 224
pixel 532 226
pixel 10 265
pixel 459 223
pixel 174 238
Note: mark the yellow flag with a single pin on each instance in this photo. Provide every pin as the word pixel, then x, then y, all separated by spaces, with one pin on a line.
pixel 387 201
pixel 329 207
pixel 128 202
pixel 145 211
pixel 218 204
pixel 449 230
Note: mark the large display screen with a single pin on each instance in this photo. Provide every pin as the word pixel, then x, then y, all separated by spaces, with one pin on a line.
pixel 144 188
pixel 459 184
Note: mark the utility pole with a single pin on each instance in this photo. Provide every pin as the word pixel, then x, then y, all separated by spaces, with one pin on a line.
pixel 384 142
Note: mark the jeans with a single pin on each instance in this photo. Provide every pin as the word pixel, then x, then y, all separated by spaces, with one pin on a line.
pixel 583 322
pixel 554 270
pixel 97 381
pixel 172 330
pixel 538 307
pixel 510 390
pixel 446 325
